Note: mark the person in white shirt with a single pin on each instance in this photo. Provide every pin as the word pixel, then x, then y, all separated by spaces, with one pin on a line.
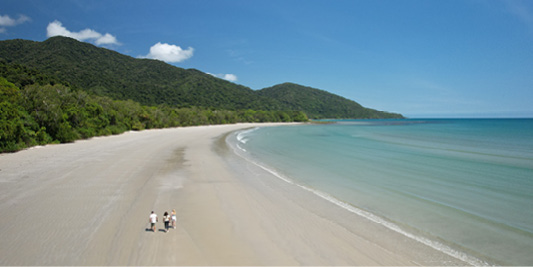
pixel 153 220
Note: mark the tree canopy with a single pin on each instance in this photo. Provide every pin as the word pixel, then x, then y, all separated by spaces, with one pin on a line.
pixel 151 82
pixel 46 111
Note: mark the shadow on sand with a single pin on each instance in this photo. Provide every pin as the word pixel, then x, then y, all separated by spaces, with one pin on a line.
pixel 150 230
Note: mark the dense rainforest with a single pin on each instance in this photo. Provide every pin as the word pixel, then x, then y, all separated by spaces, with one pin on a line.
pixel 105 72
pixel 48 111
pixel 150 82
pixel 61 90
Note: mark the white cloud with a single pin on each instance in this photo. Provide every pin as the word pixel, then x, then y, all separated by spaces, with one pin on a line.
pixel 7 21
pixel 230 77
pixel 106 39
pixel 227 77
pixel 56 28
pixel 169 53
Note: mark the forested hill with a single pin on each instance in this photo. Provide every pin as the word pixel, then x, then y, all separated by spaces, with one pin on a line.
pixel 151 82
pixel 320 104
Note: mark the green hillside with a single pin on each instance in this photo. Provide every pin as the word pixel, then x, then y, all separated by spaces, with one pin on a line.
pixel 103 72
pixel 320 104
pixel 149 82
pixel 38 109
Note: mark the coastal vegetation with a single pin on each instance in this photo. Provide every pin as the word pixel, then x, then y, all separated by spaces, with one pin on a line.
pixel 46 111
pixel 61 90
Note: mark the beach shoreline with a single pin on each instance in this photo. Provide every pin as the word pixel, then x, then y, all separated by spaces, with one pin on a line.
pixel 87 203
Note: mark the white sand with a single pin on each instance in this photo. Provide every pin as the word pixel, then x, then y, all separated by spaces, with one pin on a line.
pixel 87 203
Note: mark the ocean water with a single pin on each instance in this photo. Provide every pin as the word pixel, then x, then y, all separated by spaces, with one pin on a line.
pixel 463 186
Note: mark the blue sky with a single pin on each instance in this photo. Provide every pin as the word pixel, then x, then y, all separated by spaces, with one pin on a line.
pixel 465 58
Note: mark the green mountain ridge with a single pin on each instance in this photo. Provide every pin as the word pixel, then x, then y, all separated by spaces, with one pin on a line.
pixel 320 104
pixel 150 82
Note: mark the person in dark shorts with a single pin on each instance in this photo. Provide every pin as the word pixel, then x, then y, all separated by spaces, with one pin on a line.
pixel 166 218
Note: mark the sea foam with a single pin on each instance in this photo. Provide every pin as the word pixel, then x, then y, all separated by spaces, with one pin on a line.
pixel 243 137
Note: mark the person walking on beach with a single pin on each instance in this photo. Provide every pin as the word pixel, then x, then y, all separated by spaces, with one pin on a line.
pixel 153 220
pixel 173 218
pixel 166 218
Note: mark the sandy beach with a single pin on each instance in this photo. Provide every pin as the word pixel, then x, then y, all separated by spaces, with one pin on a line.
pixel 87 203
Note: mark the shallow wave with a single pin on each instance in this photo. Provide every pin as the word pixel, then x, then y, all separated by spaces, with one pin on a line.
pixel 243 137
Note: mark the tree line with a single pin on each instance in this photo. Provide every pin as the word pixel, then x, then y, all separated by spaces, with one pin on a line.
pixel 45 112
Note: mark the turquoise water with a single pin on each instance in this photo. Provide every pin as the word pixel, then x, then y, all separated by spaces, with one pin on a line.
pixel 462 186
